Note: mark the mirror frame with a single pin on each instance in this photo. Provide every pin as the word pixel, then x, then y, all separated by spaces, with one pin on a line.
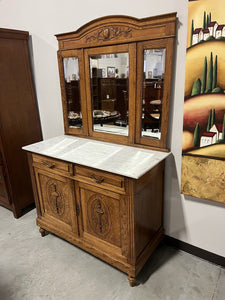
pixel 106 35
pixel 131 50
pixel 78 54
pixel 161 44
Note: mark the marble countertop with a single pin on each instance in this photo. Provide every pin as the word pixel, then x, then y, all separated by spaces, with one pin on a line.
pixel 119 159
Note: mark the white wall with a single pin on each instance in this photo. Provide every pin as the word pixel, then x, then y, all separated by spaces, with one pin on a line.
pixel 198 222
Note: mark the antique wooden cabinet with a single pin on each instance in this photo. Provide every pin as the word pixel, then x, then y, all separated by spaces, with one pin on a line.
pixel 101 185
pixel 19 120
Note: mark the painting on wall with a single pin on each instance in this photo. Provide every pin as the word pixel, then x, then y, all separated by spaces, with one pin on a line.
pixel 203 149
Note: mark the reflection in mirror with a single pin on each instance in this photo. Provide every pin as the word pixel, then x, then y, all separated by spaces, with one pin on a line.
pixel 109 92
pixel 72 88
pixel 152 92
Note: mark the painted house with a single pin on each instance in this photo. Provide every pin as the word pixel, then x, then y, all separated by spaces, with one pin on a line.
pixel 218 130
pixel 212 28
pixel 207 138
pixel 197 36
pixel 205 34
pixel 220 31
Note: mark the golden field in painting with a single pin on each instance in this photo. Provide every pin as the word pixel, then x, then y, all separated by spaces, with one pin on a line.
pixel 216 150
pixel 203 178
pixel 195 59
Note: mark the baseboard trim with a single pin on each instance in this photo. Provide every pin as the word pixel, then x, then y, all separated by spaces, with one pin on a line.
pixel 212 257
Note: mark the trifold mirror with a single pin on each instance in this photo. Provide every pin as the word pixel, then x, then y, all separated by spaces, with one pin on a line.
pixel 115 78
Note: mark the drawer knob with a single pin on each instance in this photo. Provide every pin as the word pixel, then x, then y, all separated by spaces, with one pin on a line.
pixel 100 180
pixel 50 166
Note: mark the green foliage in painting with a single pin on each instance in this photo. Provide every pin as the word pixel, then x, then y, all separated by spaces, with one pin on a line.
pixel 214 81
pixel 221 38
pixel 196 89
pixel 210 74
pixel 210 38
pixel 209 121
pixel 218 90
pixel 204 76
pixel 196 139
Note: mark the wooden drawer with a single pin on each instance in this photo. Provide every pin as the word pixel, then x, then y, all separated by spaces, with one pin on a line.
pixel 100 178
pixel 51 164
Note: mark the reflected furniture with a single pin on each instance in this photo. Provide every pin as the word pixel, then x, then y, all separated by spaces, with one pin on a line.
pixel 100 186
pixel 19 120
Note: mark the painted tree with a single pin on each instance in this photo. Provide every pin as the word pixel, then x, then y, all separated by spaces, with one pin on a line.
pixel 214 81
pixel 204 76
pixel 208 19
pixel 209 121
pixel 210 74
pixel 204 25
pixel 192 31
pixel 223 132
pixel 213 119
pixel 196 89
pixel 196 139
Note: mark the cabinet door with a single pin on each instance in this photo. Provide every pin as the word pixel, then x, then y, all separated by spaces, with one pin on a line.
pixel 57 201
pixel 103 219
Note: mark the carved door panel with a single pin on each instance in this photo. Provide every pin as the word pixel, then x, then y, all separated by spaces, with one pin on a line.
pixel 57 201
pixel 103 218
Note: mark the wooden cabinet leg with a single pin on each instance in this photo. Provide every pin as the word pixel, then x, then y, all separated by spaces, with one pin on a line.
pixel 132 280
pixel 42 232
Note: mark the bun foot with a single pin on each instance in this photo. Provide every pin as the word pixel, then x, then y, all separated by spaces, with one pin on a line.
pixel 132 281
pixel 42 232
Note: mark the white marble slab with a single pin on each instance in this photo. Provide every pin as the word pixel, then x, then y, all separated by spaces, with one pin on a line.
pixel 119 159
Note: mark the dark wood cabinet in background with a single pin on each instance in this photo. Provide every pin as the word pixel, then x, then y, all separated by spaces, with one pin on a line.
pixel 19 120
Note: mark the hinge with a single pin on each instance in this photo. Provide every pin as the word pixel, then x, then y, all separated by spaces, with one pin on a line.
pixel 77 209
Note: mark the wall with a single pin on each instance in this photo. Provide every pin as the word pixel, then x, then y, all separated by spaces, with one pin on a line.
pixel 198 222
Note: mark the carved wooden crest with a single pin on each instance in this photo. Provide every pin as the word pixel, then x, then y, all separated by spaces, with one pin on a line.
pixel 109 33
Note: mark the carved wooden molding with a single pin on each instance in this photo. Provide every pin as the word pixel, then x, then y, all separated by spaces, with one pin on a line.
pixel 109 33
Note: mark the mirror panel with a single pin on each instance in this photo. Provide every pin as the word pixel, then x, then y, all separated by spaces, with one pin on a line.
pixel 152 92
pixel 72 91
pixel 109 92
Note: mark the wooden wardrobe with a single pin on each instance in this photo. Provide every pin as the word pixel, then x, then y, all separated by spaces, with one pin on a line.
pixel 19 120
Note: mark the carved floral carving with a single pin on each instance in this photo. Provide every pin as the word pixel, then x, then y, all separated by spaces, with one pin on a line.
pixel 98 215
pixel 109 33
pixel 55 200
